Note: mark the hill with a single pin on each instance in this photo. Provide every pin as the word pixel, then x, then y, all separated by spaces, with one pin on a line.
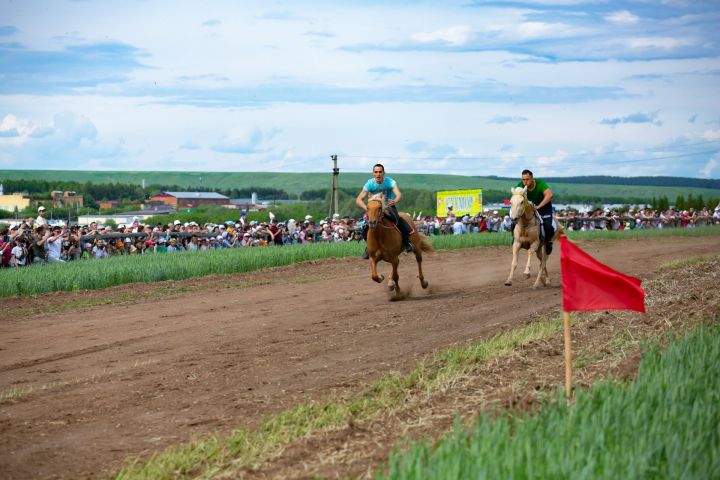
pixel 295 183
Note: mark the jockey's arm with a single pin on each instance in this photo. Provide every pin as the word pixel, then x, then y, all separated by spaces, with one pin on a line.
pixel 360 200
pixel 547 197
pixel 398 195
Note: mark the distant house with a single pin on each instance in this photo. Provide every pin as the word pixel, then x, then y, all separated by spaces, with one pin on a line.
pixel 190 199
pixel 107 204
pixel 66 199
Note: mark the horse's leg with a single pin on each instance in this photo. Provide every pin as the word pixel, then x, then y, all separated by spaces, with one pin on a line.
pixel 530 255
pixel 393 283
pixel 542 270
pixel 514 264
pixel 373 270
pixel 418 258
pixel 546 277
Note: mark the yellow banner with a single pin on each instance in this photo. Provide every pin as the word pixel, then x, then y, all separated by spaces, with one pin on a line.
pixel 462 202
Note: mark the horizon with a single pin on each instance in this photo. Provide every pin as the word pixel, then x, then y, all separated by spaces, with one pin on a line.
pixel 471 88
pixel 329 172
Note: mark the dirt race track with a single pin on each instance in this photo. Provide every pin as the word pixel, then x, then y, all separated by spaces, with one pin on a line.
pixel 133 374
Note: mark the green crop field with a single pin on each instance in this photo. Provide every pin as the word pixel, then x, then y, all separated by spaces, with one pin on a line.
pixel 295 183
pixel 119 270
pixel 665 425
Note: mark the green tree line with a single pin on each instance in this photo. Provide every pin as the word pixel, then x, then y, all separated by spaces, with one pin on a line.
pixel 640 181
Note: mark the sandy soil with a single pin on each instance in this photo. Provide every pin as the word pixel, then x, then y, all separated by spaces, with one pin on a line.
pixel 150 366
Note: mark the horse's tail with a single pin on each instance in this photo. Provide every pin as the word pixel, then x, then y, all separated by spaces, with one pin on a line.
pixel 560 229
pixel 424 244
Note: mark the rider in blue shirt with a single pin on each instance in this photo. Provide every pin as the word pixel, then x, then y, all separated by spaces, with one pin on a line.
pixel 388 187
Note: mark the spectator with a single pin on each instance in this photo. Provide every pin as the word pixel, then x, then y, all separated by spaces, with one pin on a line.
pixel 19 253
pixel 40 221
pixel 100 250
pixel 53 244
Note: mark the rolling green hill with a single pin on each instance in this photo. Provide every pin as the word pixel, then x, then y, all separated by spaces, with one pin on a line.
pixel 295 183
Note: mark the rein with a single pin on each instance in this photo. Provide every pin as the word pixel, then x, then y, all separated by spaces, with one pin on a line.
pixel 526 206
pixel 380 220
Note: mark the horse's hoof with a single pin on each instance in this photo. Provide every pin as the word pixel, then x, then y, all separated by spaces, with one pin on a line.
pixel 527 275
pixel 424 284
pixel 507 284
pixel 391 286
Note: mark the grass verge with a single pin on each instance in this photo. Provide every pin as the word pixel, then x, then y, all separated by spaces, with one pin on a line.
pixel 95 274
pixel 664 425
pixel 247 448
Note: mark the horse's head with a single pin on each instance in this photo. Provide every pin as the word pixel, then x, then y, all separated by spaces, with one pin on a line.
pixel 376 206
pixel 518 202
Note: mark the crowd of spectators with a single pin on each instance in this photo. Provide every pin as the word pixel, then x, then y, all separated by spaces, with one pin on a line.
pixel 641 218
pixel 34 241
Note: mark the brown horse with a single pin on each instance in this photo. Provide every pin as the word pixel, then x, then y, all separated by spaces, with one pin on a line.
pixel 527 235
pixel 384 242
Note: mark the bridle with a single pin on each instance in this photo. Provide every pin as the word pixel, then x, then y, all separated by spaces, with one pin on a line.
pixel 377 221
pixel 374 223
pixel 521 210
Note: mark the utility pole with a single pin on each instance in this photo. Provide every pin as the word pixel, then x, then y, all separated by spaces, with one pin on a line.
pixel 334 196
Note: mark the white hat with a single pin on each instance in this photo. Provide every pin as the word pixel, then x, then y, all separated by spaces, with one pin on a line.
pixel 136 219
pixel 40 208
pixel 177 222
pixel 308 217
pixel 219 237
pixel 336 215
pixel 494 212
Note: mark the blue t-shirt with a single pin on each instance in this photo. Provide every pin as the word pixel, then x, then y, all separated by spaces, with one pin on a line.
pixel 386 187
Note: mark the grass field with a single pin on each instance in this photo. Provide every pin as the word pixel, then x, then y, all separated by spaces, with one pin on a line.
pixel 294 183
pixel 665 425
pixel 94 274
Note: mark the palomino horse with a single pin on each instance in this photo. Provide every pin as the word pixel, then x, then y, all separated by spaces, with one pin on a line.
pixel 527 235
pixel 384 242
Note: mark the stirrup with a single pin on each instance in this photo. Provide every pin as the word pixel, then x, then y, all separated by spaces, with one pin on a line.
pixel 409 247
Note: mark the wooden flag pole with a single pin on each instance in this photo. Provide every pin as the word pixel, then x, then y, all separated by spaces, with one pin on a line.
pixel 568 354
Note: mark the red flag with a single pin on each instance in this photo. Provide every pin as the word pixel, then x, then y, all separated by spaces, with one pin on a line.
pixel 589 285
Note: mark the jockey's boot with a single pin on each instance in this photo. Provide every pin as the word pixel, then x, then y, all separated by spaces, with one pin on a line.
pixel 409 247
pixel 548 248
pixel 365 254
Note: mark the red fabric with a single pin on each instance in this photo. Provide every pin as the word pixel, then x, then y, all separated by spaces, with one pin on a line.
pixel 589 285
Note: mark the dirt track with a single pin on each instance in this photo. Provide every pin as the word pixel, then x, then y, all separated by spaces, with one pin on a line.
pixel 131 378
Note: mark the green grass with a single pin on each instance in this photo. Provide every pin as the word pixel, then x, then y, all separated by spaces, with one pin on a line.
pixel 294 183
pixel 95 274
pixel 247 448
pixel 664 425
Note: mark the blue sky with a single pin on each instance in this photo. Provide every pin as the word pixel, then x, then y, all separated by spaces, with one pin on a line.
pixel 564 87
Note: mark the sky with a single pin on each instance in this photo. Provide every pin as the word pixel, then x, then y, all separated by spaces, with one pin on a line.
pixel 562 87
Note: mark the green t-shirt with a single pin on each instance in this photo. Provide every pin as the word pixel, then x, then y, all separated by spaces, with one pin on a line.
pixel 537 194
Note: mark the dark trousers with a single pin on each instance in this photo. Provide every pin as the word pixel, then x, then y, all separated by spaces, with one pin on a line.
pixel 548 227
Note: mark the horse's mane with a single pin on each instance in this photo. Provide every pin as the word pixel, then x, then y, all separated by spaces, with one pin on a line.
pixel 378 197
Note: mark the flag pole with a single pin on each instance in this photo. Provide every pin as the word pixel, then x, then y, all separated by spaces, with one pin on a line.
pixel 568 354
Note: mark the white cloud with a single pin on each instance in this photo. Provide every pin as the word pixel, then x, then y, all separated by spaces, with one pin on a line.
pixel 664 43
pixel 711 135
pixel 710 166
pixel 455 36
pixel 622 17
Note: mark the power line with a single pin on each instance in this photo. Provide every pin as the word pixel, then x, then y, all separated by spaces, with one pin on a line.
pixel 495 157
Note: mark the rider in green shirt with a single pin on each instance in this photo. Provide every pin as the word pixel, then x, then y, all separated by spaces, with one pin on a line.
pixel 539 193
